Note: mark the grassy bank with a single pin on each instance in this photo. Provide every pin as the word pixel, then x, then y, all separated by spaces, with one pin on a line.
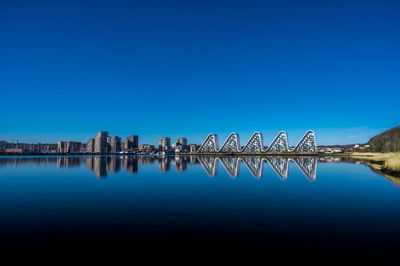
pixel 388 162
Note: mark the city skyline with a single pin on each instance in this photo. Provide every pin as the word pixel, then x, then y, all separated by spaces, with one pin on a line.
pixel 103 143
pixel 71 69
pixel 348 136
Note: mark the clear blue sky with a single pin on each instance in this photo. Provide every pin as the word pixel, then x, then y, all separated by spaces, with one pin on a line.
pixel 186 68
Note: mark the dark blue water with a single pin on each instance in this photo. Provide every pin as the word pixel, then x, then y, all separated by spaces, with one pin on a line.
pixel 118 210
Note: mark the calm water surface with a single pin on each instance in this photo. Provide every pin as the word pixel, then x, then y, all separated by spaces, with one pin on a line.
pixel 133 210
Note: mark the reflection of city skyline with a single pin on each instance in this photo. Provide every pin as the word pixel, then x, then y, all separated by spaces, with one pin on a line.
pixel 308 165
pixel 103 165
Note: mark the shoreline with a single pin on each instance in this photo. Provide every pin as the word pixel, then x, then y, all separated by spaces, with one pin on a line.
pixel 386 164
pixel 286 154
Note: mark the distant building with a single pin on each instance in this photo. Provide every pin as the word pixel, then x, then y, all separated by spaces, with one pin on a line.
pixel 14 151
pixel 27 147
pixel 90 146
pixel 73 147
pixel 83 148
pixel 133 141
pixel 164 143
pixel 179 148
pixel 60 146
pixel 130 143
pixel 100 142
pixel 181 145
pixel 68 147
pixel 194 147
pixel 329 149
pixel 115 144
pixel 181 141
pixel 364 147
pixel 3 146
pixel 145 147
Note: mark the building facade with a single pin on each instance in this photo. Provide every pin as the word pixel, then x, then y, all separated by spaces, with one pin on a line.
pixel 193 148
pixel 181 141
pixel 100 142
pixel 130 143
pixel 90 146
pixel 115 144
pixel 280 144
pixel 68 147
pixel 28 147
pixel 164 143
pixel 133 141
pixel 181 145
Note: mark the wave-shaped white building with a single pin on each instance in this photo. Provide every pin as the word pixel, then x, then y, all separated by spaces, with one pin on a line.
pixel 307 144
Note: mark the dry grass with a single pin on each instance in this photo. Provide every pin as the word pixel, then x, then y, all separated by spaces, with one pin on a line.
pixel 391 161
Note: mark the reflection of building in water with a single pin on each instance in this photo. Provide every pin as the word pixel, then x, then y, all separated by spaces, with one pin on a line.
pixel 90 163
pixel 308 165
pixel 68 161
pixel 255 165
pixel 193 160
pixel 231 165
pixel 3 162
pixel 130 164
pixel 280 166
pixel 164 164
pixel 113 164
pixel 15 162
pixel 181 163
pixel 100 166
pixel 210 164
pixel 147 159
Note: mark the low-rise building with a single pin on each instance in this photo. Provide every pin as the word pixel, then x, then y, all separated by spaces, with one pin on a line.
pixel 193 148
pixel 14 151
pixel 147 149
pixel 68 147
